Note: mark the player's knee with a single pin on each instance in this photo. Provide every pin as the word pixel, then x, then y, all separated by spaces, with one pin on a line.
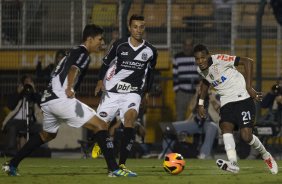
pixel 46 137
pixel 130 118
pixel 129 122
pixel 226 127
pixel 246 134
pixel 96 124
pixel 246 137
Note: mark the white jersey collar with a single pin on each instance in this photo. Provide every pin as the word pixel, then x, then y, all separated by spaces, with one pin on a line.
pixel 135 48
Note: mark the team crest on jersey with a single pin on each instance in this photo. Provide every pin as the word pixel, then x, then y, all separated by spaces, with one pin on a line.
pixel 144 56
pixel 103 114
pixel 215 69
pixel 211 76
pixel 131 105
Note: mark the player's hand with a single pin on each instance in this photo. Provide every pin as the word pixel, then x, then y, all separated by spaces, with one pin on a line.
pixel 70 93
pixel 99 87
pixel 202 111
pixel 255 95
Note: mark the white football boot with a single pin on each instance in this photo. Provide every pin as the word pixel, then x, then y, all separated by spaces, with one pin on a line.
pixel 271 164
pixel 227 166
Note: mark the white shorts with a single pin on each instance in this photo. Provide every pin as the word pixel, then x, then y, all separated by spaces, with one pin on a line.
pixel 68 110
pixel 112 104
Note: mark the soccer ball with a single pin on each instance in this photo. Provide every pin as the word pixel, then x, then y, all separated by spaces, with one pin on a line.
pixel 174 163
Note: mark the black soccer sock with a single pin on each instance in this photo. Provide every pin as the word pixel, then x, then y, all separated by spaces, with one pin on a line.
pixel 107 148
pixel 33 143
pixel 126 144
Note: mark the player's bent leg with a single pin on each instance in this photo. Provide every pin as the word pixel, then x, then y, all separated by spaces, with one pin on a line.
pixel 130 117
pixel 228 166
pixel 246 134
pixel 268 159
pixel 96 124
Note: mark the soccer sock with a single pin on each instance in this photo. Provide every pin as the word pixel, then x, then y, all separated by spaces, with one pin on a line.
pixel 257 145
pixel 229 144
pixel 126 144
pixel 33 143
pixel 107 148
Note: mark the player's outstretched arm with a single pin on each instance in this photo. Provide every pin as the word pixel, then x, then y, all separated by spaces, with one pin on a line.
pixel 248 67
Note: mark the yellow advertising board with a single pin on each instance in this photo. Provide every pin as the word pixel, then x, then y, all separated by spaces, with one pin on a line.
pixel 14 60
pixel 28 59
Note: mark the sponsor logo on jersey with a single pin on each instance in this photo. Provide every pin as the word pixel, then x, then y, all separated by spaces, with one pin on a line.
pixel 123 87
pixel 219 81
pixel 144 56
pixel 111 73
pixel 103 114
pixel 133 64
pixel 134 88
pixel 225 57
pixel 131 105
pixel 246 122
pixel 124 53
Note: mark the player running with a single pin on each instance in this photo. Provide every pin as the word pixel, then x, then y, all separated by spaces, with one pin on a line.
pixel 125 77
pixel 237 102
pixel 59 104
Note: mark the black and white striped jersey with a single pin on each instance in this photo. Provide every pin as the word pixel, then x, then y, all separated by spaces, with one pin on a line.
pixel 128 69
pixel 185 75
pixel 78 57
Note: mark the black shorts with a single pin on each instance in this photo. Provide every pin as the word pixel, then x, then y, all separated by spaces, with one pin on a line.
pixel 241 113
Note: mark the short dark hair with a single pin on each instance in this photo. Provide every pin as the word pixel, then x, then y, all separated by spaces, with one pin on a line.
pixel 91 30
pixel 136 17
pixel 200 48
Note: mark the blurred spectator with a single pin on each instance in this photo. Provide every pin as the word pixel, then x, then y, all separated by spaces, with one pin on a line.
pixel 272 101
pixel 222 16
pixel 48 71
pixel 185 78
pixel 24 108
pixel 114 37
pixel 195 125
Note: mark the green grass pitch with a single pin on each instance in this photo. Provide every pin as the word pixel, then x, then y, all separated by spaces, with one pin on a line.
pixel 150 171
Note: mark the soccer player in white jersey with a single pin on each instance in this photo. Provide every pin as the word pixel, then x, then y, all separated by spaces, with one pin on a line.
pixel 59 104
pixel 125 77
pixel 237 102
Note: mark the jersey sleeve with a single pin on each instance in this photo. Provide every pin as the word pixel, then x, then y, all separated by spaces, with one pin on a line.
pixel 78 59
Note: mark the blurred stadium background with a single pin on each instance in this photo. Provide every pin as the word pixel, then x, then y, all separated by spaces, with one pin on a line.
pixel 33 30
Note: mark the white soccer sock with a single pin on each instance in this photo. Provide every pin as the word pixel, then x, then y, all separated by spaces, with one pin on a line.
pixel 229 144
pixel 257 145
